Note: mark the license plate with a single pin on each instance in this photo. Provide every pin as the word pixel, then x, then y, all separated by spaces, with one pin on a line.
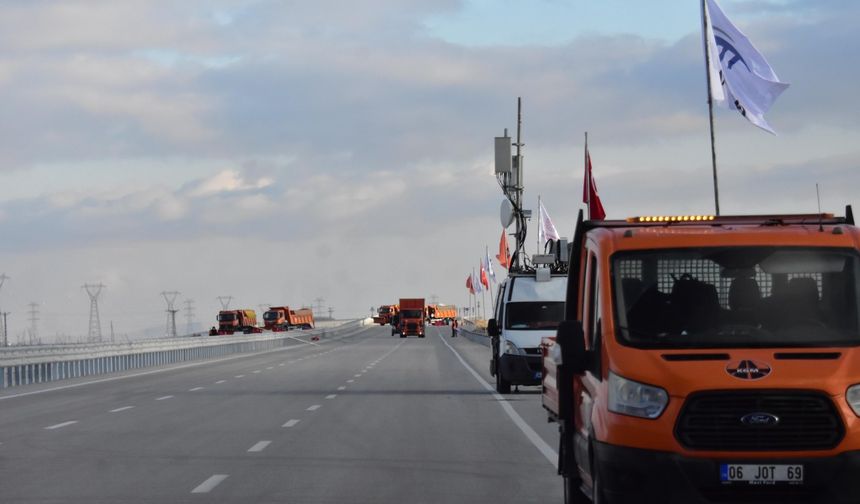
pixel 762 474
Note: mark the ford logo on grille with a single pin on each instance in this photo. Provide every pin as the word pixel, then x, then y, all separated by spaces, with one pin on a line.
pixel 760 419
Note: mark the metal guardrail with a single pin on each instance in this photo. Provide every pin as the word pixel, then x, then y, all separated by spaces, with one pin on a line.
pixel 42 364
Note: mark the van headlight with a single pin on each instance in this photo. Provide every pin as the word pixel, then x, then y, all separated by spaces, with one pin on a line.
pixel 853 398
pixel 628 397
pixel 512 349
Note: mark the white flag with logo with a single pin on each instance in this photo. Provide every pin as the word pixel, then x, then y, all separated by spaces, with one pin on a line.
pixel 488 265
pixel 740 76
pixel 546 229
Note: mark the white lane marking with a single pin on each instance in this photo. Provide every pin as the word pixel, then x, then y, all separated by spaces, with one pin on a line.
pixel 146 373
pixel 270 367
pixel 281 364
pixel 121 409
pixel 240 376
pixel 164 397
pixel 331 396
pixel 350 381
pixel 291 423
pixel 219 382
pixel 341 387
pixel 358 375
pixel 258 371
pixel 195 389
pixel 61 425
pixel 526 429
pixel 210 483
pixel 259 446
pixel 314 407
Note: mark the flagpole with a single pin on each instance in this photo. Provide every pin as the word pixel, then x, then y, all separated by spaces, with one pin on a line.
pixel 540 225
pixel 710 104
pixel 489 280
pixel 587 182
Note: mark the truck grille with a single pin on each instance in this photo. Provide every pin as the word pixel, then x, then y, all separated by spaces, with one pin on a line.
pixel 411 326
pixel 712 421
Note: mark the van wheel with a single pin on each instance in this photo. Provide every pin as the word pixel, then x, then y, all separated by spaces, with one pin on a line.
pixel 573 493
pixel 502 386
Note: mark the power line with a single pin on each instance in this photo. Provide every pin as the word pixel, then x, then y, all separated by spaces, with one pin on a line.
pixel 3 331
pixel 95 331
pixel 225 301
pixel 170 298
pixel 189 315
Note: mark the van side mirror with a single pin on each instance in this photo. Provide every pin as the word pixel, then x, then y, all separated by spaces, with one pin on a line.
pixel 571 339
pixel 493 328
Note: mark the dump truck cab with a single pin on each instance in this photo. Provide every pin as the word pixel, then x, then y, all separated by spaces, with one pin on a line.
pixel 709 359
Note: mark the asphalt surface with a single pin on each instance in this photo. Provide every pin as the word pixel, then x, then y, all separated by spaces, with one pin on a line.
pixel 366 419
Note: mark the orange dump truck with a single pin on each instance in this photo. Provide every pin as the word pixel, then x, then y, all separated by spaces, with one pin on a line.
pixel 441 313
pixel 282 318
pixel 385 314
pixel 232 321
pixel 410 320
pixel 709 359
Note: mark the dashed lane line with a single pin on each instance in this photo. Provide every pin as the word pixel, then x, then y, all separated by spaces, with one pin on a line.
pixel 219 382
pixel 61 425
pixel 331 396
pixel 162 398
pixel 240 376
pixel 341 387
pixel 117 410
pixel 210 483
pixel 259 446
pixel 195 389
pixel 314 407
pixel 291 423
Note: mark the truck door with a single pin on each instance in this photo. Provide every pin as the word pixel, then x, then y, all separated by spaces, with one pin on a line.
pixel 586 386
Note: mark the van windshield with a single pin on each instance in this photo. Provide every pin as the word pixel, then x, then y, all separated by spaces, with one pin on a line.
pixel 533 315
pixel 737 297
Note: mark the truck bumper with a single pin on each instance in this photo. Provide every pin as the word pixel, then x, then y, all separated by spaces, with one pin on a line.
pixel 521 369
pixel 630 475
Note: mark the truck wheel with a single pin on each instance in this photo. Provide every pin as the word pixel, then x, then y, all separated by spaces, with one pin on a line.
pixel 502 386
pixel 402 335
pixel 420 335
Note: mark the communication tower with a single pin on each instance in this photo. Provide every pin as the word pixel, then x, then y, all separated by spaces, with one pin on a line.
pixel 189 316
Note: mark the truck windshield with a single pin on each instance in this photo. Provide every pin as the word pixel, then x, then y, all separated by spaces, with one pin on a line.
pixel 270 315
pixel 533 315
pixel 226 317
pixel 743 297
pixel 384 311
pixel 410 314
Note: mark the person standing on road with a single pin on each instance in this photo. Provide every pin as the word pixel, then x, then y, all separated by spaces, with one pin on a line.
pixel 454 326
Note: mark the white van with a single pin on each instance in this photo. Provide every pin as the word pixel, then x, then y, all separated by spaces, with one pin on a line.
pixel 529 306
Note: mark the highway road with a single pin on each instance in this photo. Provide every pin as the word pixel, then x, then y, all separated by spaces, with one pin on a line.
pixel 369 418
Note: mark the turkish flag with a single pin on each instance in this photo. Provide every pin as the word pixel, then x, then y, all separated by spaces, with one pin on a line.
pixel 484 280
pixel 589 193
pixel 469 284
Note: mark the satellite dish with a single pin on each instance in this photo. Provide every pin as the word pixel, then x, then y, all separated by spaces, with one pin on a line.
pixel 506 213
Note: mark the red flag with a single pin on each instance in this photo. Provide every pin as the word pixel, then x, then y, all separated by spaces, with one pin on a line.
pixel 589 192
pixel 484 280
pixel 469 285
pixel 504 255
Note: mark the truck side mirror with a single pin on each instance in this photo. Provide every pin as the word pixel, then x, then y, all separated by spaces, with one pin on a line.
pixel 571 338
pixel 493 328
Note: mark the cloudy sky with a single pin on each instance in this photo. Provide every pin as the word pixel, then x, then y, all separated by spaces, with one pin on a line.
pixel 282 151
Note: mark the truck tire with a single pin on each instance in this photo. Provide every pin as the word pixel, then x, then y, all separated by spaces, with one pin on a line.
pixel 420 335
pixel 402 335
pixel 502 386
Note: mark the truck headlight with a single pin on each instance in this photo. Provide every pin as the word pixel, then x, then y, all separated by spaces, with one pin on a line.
pixel 512 349
pixel 628 397
pixel 853 398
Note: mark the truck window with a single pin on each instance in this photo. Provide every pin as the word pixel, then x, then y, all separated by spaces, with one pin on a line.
pixel 270 315
pixel 227 317
pixel 737 297
pixel 531 315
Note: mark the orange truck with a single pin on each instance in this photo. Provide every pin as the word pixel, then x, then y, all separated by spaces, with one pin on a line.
pixel 386 313
pixel 709 359
pixel 410 320
pixel 441 313
pixel 282 318
pixel 232 321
